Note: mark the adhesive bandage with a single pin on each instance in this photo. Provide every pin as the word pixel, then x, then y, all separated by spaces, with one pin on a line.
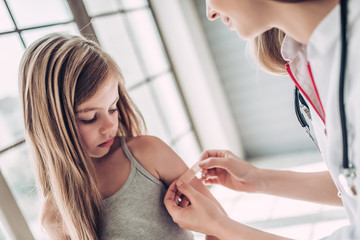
pixel 190 173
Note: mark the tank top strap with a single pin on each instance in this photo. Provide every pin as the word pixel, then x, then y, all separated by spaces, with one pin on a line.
pixel 135 163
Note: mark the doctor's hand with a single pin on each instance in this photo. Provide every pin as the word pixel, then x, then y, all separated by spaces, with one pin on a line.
pixel 223 167
pixel 200 215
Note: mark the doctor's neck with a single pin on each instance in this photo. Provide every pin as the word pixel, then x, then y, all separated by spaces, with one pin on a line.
pixel 299 20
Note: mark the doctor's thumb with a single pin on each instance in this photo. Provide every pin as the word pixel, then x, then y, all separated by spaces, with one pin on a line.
pixel 214 162
pixel 187 190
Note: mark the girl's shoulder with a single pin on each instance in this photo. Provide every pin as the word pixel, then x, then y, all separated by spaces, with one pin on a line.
pixel 145 143
pixel 149 151
pixel 156 157
pixel 147 147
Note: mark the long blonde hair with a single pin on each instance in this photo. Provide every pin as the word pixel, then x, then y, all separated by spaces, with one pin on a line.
pixel 57 73
pixel 266 49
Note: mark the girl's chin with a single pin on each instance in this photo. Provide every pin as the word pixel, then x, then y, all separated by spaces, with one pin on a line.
pixel 99 154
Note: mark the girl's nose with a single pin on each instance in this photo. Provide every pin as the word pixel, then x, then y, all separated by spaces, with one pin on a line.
pixel 212 14
pixel 108 125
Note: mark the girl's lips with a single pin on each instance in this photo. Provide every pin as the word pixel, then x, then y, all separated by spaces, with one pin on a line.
pixel 107 143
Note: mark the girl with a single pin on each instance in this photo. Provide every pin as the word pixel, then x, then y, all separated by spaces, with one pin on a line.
pixel 304 35
pixel 99 176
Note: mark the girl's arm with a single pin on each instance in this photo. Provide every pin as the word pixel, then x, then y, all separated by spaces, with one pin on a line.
pixel 162 162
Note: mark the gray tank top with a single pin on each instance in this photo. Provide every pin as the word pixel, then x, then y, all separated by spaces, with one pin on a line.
pixel 137 211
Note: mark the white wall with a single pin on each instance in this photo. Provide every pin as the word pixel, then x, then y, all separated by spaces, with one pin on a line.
pixel 262 104
pixel 183 35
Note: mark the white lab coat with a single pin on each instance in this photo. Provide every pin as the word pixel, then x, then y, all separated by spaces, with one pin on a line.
pixel 323 54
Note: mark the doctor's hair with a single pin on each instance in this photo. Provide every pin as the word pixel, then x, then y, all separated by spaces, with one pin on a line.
pixel 57 73
pixel 266 48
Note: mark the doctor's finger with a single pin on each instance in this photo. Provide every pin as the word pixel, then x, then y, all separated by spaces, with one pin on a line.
pixel 215 162
pixel 210 181
pixel 213 153
pixel 191 193
pixel 212 172
pixel 171 194
pixel 184 201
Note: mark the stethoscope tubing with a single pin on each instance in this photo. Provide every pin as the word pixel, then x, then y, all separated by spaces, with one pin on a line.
pixel 343 16
pixel 299 99
pixel 347 176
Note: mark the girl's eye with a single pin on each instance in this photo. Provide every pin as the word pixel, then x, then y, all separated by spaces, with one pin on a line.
pixel 113 110
pixel 89 121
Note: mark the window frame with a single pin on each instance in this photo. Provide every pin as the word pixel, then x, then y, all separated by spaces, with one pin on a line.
pixel 192 59
pixel 11 214
pixel 12 217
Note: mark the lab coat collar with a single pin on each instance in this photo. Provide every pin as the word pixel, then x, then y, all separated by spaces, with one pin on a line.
pixel 290 48
pixel 325 35
pixel 310 59
pixel 319 39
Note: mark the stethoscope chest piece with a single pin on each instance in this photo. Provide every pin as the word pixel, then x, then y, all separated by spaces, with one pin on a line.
pixel 347 180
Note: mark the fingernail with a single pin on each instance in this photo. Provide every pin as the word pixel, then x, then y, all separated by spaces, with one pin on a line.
pixel 179 183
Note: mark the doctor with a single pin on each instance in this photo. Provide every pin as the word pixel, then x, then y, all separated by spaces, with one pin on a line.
pixel 304 35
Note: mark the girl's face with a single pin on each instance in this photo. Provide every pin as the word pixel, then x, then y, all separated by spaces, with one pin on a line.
pixel 249 18
pixel 98 119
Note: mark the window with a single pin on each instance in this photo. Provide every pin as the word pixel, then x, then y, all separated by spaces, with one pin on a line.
pixel 124 28
pixel 137 47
